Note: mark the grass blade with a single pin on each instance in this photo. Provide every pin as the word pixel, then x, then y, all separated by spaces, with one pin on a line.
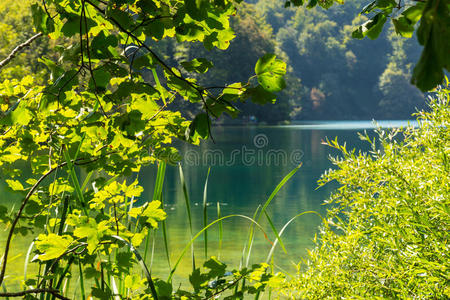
pixel 284 228
pixel 27 259
pixel 80 268
pixel 76 183
pixel 275 231
pixel 266 204
pixel 188 209
pixel 159 86
pixel 250 241
pixel 86 180
pixel 141 264
pixel 205 213
pixel 157 195
pixel 278 187
pixel 5 290
pixel 220 230
pixel 166 243
pixel 200 233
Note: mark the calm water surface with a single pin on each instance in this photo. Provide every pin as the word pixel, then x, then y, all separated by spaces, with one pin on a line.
pixel 246 164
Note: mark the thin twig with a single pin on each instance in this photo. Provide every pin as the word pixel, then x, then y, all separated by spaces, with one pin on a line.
pixel 19 48
pixel 34 291
pixel 225 288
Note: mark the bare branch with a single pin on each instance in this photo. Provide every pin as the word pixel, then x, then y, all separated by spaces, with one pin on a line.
pixel 18 49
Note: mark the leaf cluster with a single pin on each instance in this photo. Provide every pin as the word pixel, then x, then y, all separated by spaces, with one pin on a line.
pixel 387 235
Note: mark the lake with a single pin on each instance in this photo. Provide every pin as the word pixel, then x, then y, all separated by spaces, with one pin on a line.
pixel 247 163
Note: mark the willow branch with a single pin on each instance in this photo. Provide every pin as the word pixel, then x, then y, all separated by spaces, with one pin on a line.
pixel 19 48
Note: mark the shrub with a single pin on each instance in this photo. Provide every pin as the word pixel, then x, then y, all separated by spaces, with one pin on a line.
pixel 386 235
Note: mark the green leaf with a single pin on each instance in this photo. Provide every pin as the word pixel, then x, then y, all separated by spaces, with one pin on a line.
pixel 65 82
pixel 17 114
pixel 103 46
pixel 384 5
pixel 72 25
pixel 217 268
pixel 186 90
pixel 100 80
pixel 122 17
pixel 32 207
pixel 414 13
pixel 101 294
pixel 87 228
pixel 143 61
pixel 41 21
pixel 15 185
pixel 124 261
pixel 199 127
pixel 197 9
pixel 153 213
pixel 199 65
pixel 372 28
pixel 146 106
pixel 55 70
pixel 163 289
pixel 150 211
pixel 60 186
pixel 428 73
pixel 270 72
pixel 148 7
pixel 197 279
pixel 403 27
pixel 434 34
pixel 260 95
pixel 155 29
pixel 52 245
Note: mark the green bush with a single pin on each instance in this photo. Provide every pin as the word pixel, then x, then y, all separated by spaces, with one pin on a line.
pixel 387 233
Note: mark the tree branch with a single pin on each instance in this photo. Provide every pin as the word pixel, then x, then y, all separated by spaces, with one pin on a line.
pixel 18 49
pixel 55 293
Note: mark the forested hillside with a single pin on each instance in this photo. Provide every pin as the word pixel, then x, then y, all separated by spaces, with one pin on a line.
pixel 330 74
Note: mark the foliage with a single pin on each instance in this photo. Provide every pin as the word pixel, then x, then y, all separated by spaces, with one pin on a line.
pixel 74 139
pixel 433 31
pixel 342 77
pixel 73 146
pixel 387 235
pixel 16 27
pixel 329 74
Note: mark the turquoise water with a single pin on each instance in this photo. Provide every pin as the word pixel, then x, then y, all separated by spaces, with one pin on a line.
pixel 247 163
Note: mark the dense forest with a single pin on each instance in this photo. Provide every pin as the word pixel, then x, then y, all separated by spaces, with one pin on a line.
pixel 330 75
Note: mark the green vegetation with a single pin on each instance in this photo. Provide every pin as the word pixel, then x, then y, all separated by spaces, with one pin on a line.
pixel 387 236
pixel 72 144
pixel 114 83
pixel 330 75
